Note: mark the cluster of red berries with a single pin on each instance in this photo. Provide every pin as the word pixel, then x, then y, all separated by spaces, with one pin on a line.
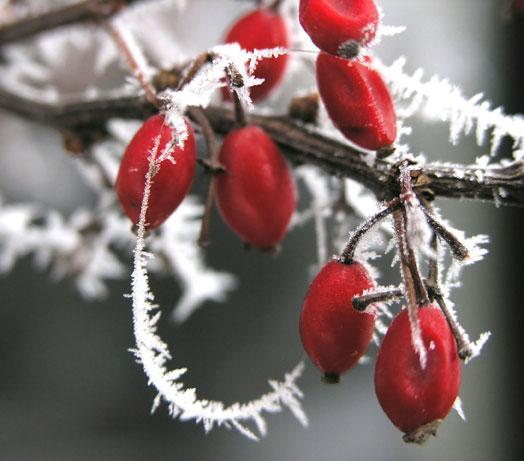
pixel 353 92
pixel 255 192
pixel 335 335
pixel 256 196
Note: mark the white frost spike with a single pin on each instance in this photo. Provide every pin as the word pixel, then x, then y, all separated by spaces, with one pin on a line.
pixel 445 102
pixel 457 406
pixel 199 90
pixel 182 402
pixel 318 187
pixel 477 346
pixel 418 232
pixel 416 336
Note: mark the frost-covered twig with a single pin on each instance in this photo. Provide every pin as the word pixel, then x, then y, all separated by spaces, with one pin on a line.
pixel 153 354
pixel 81 11
pixel 500 184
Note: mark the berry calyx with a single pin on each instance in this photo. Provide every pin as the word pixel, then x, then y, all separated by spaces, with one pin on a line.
pixel 262 28
pixel 416 399
pixel 357 101
pixel 339 27
pixel 170 184
pixel 333 334
pixel 256 194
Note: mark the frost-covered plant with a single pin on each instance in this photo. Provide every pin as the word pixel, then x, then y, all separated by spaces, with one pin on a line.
pixel 393 197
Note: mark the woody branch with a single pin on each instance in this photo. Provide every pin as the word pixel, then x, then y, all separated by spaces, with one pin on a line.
pixel 300 143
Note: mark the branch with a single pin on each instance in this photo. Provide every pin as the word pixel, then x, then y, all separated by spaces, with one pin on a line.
pixel 502 185
pixel 87 10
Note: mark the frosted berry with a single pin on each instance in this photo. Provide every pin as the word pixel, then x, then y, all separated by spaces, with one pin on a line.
pixel 357 101
pixel 333 333
pixel 339 27
pixel 262 28
pixel 256 194
pixel 413 398
pixel 170 184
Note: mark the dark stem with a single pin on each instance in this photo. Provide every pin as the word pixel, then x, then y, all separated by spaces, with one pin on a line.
pixel 275 6
pixel 195 66
pixel 434 292
pixel 87 10
pixel 198 115
pixel 458 249
pixel 415 289
pixel 360 303
pixel 346 257
pixel 240 115
pixel 299 142
pixel 132 63
pixel 463 345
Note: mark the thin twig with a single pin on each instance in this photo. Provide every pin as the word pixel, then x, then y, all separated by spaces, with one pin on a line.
pixel 82 11
pixel 198 115
pixel 299 142
pixel 433 287
pixel 412 290
pixel 360 303
pixel 132 62
pixel 349 250
pixel 275 6
pixel 465 351
pixel 458 249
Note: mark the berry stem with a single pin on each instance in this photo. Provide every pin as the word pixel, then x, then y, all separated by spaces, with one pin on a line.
pixel 193 69
pixel 132 62
pixel 240 115
pixel 465 351
pixel 197 114
pixel 458 249
pixel 275 6
pixel 432 284
pixel 409 198
pixel 349 250
pixel 413 283
pixel 360 303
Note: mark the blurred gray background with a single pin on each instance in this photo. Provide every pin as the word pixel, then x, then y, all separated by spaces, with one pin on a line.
pixel 70 390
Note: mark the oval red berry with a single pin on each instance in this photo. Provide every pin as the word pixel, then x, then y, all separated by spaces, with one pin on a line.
pixel 170 184
pixel 333 333
pixel 357 101
pixel 261 29
pixel 332 24
pixel 256 194
pixel 412 396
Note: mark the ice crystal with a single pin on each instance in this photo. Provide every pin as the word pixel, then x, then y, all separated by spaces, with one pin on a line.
pixel 444 101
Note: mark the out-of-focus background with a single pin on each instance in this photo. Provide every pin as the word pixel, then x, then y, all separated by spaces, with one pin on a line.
pixel 70 390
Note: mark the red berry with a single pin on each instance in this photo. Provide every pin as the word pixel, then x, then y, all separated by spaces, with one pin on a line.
pixel 170 184
pixel 333 333
pixel 256 194
pixel 357 101
pixel 261 29
pixel 336 24
pixel 411 396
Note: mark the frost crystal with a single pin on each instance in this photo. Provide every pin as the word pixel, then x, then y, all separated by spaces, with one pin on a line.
pixel 444 101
